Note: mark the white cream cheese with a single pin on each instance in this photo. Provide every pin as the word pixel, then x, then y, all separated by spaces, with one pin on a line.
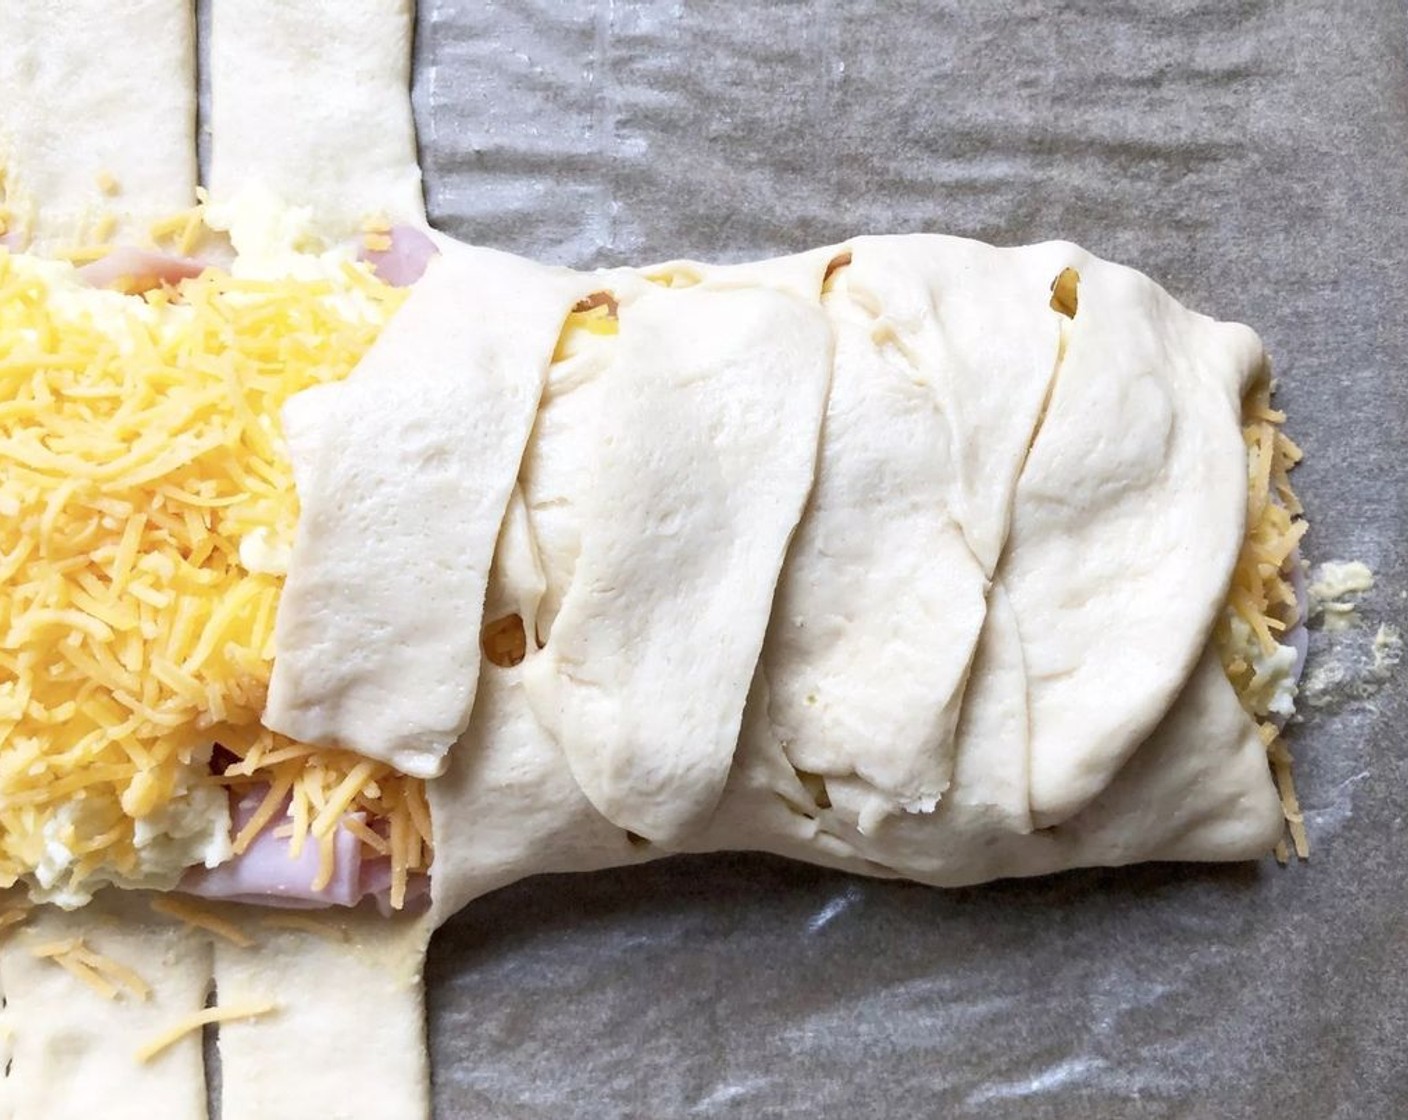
pixel 275 241
pixel 69 298
pixel 1334 592
pixel 262 552
pixel 192 828
pixel 1272 689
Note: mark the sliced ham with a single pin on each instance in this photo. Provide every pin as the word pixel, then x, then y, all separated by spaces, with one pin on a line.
pixel 139 270
pixel 405 262
pixel 266 874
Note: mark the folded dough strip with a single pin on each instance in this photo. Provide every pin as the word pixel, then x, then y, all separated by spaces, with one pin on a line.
pixel 346 1039
pixel 97 119
pixel 508 804
pixel 705 445
pixel 945 349
pixel 1126 525
pixel 1196 789
pixel 75 1048
pixel 403 473
pixel 310 102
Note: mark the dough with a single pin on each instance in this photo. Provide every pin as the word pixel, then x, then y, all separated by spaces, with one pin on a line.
pixel 704 444
pixel 508 799
pixel 310 102
pixel 348 1038
pixel 403 474
pixel 1197 789
pixel 889 728
pixel 72 1048
pixel 945 350
pixel 97 118
pixel 1128 518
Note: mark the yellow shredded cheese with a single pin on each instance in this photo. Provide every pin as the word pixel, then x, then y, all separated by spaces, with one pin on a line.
pixel 1262 595
pixel 129 978
pixel 12 917
pixel 198 918
pixel 139 447
pixel 198 1019
pixel 587 318
pixel 304 924
pixel 180 232
pixel 93 968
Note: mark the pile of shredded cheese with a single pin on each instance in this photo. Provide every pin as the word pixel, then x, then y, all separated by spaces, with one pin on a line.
pixel 1262 595
pixel 139 450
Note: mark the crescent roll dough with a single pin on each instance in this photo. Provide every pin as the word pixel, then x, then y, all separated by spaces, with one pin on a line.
pixel 903 556
pixel 878 556
pixel 97 119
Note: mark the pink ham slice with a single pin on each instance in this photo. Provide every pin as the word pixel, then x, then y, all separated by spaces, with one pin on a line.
pixel 265 874
pixel 405 262
pixel 376 884
pixel 139 270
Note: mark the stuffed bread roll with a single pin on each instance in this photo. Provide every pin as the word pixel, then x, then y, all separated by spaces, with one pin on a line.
pixel 1008 474
pixel 909 555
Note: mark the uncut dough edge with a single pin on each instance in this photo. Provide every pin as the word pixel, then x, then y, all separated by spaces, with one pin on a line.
pixel 269 137
pixel 107 89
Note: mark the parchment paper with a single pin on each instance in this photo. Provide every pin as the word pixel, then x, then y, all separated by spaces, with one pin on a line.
pixel 1252 156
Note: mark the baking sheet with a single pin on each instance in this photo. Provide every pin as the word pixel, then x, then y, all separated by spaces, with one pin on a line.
pixel 1252 156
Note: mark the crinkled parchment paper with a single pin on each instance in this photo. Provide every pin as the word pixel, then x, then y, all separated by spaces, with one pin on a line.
pixel 1253 156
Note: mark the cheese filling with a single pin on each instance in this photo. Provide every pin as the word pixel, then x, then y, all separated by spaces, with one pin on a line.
pixel 1263 608
pixel 147 503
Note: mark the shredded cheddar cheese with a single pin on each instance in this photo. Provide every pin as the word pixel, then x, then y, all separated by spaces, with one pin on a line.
pixel 12 917
pixel 197 918
pixel 101 973
pixel 1262 597
pixel 595 315
pixel 181 232
pixel 139 448
pixel 304 924
pixel 198 1019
